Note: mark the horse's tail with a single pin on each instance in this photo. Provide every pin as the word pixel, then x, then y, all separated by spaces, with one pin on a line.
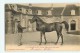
pixel 66 25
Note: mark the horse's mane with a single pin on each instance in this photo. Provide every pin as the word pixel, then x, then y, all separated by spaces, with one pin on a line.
pixel 41 20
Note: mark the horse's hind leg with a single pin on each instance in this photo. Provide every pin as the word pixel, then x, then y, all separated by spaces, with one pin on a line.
pixel 57 37
pixel 45 38
pixel 61 38
pixel 40 39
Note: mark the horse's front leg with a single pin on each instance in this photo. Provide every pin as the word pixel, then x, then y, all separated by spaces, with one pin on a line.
pixel 40 38
pixel 20 38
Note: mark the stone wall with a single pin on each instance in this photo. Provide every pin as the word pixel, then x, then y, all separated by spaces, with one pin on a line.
pixel 70 18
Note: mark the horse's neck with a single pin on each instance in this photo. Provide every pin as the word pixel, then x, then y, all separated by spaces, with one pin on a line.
pixel 39 20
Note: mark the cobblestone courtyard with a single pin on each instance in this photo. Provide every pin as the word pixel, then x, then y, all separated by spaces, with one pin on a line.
pixel 33 38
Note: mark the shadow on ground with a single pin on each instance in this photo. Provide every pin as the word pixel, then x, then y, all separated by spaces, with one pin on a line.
pixel 75 33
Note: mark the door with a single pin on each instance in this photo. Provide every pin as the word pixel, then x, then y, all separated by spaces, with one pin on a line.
pixel 73 25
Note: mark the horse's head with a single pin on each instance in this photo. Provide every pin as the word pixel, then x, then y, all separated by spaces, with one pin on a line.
pixel 33 19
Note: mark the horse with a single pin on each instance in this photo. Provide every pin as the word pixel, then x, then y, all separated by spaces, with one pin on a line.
pixel 44 27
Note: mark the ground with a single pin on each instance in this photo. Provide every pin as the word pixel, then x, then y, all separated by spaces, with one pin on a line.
pixel 33 38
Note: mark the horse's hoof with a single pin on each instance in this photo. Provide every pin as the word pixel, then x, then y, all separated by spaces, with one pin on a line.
pixel 20 44
pixel 61 43
pixel 40 44
pixel 55 43
pixel 45 43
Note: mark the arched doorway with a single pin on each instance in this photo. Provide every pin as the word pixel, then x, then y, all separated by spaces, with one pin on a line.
pixel 29 26
pixel 73 25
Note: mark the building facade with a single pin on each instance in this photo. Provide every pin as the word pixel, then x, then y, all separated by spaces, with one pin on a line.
pixel 17 12
pixel 72 16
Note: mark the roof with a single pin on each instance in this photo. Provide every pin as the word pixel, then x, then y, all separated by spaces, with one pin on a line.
pixel 19 6
pixel 57 11
pixel 68 9
pixel 7 6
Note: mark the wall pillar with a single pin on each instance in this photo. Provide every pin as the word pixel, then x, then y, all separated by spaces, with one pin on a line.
pixel 8 24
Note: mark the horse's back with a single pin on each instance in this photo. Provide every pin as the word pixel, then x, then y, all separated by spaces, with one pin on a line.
pixel 49 27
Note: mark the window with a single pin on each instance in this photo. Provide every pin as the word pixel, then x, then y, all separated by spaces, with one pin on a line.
pixel 19 10
pixel 72 12
pixel 15 7
pixel 46 12
pixel 27 11
pixel 39 12
pixel 12 6
pixel 36 12
pixel 30 11
pixel 24 10
pixel 49 12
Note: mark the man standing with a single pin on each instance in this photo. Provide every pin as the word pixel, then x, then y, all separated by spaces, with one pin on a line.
pixel 20 31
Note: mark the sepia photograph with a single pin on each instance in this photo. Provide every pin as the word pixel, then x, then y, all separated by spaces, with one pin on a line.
pixel 42 26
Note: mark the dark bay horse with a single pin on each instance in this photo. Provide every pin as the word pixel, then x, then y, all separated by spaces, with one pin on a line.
pixel 48 27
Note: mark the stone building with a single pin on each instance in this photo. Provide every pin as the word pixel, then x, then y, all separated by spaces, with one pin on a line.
pixel 71 14
pixel 15 12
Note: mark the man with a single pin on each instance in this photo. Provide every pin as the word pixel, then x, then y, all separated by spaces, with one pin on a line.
pixel 20 31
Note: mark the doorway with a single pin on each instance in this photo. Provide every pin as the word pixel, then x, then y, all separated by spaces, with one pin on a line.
pixel 29 26
pixel 73 25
